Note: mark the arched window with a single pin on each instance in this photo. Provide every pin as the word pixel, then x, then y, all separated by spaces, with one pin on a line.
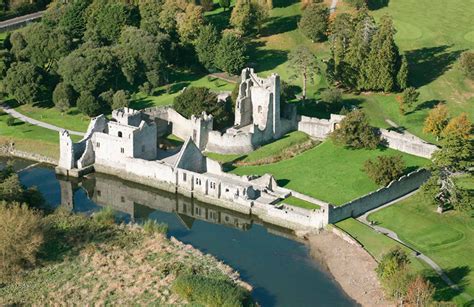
pixel 120 134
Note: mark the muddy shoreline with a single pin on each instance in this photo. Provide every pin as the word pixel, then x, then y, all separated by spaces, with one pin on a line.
pixel 350 266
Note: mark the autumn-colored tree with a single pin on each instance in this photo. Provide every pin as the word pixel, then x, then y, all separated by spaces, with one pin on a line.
pixel 437 120
pixel 460 126
pixel 420 292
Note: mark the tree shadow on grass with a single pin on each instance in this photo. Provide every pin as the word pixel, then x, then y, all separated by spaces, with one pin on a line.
pixel 283 3
pixel 221 21
pixel 444 292
pixel 377 4
pixel 429 104
pixel 142 103
pixel 277 25
pixel 266 59
pixel 323 110
pixel 427 64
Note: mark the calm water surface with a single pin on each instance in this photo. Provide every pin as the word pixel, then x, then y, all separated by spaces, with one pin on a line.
pixel 279 268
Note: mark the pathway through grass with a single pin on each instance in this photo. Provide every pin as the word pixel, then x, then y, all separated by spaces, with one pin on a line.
pixel 446 238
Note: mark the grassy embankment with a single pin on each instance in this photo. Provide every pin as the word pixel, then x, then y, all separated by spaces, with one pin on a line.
pixel 446 238
pixel 94 261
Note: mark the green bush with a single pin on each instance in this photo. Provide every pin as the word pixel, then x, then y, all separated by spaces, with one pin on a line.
pixel 106 216
pixel 385 169
pixel 10 121
pixel 314 22
pixel 210 292
pixel 467 64
pixel 354 131
pixel 152 226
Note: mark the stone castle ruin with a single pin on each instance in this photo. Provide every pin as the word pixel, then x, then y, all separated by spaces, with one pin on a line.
pixel 129 146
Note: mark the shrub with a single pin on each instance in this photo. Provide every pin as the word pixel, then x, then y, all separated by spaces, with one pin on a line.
pixel 393 273
pixel 384 169
pixel 210 292
pixel 10 121
pixel 88 105
pixel 106 216
pixel 152 226
pixel 120 99
pixel 355 132
pixel 231 54
pixel 314 22
pixel 467 64
pixel 420 292
pixel 64 96
pixel 358 4
pixel 332 96
pixel 21 235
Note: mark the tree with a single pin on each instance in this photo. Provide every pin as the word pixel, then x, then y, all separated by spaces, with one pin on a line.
pixel 466 62
pixel 409 97
pixel 314 22
pixel 355 132
pixel 225 4
pixel 380 69
pixel 167 18
pixel 64 96
pixel 195 100
pixel 231 54
pixel 420 292
pixel 88 105
pixel 304 64
pixel 460 126
pixel 189 22
pixel 402 76
pixel 393 273
pixel 73 21
pixel 207 5
pixel 90 69
pixel 456 154
pixel 149 10
pixel 384 169
pixel 106 19
pixel 436 120
pixel 120 99
pixel 332 96
pixel 24 81
pixel 43 46
pixel 21 236
pixel 248 15
pixel 206 46
pixel 6 59
pixel 142 56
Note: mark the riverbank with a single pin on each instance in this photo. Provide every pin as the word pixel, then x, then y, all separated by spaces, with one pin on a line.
pixel 351 266
pixel 84 260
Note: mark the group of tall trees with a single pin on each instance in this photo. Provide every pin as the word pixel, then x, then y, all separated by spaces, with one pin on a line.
pixel 456 156
pixel 364 55
pixel 84 51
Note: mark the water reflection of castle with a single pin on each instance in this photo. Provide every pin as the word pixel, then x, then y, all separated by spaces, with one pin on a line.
pixel 139 201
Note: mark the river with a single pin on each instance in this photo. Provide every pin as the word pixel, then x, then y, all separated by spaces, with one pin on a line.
pixel 278 266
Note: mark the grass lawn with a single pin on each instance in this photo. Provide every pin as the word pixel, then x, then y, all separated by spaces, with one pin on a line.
pixel 328 172
pixel 446 238
pixel 378 244
pixel 266 151
pixel 294 201
pixel 2 37
pixel 432 43
pixel 30 138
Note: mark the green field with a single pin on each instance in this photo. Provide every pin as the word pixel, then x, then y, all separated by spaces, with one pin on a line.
pixel 266 151
pixel 446 238
pixel 328 172
pixel 29 137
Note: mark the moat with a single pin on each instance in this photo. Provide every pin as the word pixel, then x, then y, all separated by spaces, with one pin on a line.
pixel 278 266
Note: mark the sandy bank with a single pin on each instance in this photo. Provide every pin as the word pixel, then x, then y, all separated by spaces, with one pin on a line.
pixel 352 267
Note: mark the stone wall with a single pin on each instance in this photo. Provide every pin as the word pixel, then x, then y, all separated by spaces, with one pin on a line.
pixel 318 128
pixel 408 143
pixel 392 191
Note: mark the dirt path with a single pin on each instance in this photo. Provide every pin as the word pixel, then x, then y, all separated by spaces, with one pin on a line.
pixel 352 267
